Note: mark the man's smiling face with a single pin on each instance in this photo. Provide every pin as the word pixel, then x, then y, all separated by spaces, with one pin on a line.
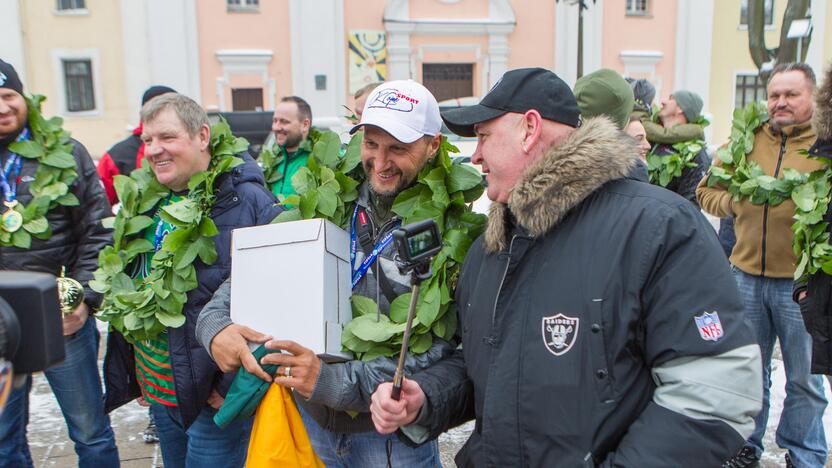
pixel 390 165
pixel 174 155
pixel 13 112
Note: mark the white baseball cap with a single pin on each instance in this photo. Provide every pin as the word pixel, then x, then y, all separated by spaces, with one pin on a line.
pixel 405 109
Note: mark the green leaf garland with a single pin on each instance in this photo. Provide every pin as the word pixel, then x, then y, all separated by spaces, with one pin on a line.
pixel 746 179
pixel 139 308
pixel 811 231
pixel 809 192
pixel 664 168
pixel 270 159
pixel 50 145
pixel 328 188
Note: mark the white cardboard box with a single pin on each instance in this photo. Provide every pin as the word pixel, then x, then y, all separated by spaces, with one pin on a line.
pixel 293 281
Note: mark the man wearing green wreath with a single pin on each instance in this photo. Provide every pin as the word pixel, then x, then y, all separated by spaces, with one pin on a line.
pixel 402 127
pixel 764 263
pixel 681 109
pixel 68 235
pixel 169 369
pixel 290 125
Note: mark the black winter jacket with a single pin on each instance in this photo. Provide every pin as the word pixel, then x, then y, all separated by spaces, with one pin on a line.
pixel 579 312
pixel 242 200
pixel 77 232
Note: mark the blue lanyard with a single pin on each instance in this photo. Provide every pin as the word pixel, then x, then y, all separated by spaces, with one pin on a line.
pixel 368 261
pixel 11 170
pixel 160 234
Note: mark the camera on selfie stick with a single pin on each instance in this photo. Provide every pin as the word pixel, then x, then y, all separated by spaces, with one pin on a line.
pixel 416 245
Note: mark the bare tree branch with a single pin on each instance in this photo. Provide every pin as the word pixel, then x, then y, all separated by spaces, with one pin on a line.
pixel 786 51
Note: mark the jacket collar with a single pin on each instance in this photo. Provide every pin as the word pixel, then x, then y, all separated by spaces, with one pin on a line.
pixel 227 183
pixel 593 155
pixel 803 130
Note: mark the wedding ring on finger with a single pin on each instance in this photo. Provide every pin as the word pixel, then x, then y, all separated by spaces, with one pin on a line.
pixel 287 371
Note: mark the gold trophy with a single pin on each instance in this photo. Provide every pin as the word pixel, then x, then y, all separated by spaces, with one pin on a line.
pixel 70 293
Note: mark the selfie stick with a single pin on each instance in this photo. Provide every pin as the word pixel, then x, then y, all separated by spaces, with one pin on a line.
pixel 411 311
pixel 417 244
pixel 420 273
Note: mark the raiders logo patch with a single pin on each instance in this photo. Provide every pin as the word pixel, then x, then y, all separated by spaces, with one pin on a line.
pixel 559 333
pixel 709 326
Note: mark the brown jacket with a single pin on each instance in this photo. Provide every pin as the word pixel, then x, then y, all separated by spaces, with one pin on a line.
pixel 764 234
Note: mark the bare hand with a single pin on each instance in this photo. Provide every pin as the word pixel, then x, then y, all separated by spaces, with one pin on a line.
pixel 304 366
pixel 74 321
pixel 230 350
pixel 215 400
pixel 388 414
pixel 142 402
pixel 801 295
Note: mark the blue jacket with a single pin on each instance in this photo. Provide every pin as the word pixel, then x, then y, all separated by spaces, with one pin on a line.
pixel 242 200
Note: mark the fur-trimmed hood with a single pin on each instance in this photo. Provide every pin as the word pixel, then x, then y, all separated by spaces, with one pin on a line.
pixel 594 154
pixel 823 108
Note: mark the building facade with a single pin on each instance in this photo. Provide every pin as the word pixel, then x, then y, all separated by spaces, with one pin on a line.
pixel 94 58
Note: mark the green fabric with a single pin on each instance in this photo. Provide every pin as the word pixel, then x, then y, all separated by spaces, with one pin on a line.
pixel 152 357
pixel 690 103
pixel 641 115
pixel 291 163
pixel 605 92
pixel 153 370
pixel 670 136
pixel 245 393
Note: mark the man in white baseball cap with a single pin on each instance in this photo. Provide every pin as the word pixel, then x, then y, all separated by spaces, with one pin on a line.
pixel 401 124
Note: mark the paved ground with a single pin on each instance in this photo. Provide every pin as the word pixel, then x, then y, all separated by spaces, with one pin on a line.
pixel 51 446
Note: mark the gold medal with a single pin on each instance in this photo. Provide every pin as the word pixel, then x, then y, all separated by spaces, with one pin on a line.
pixel 12 220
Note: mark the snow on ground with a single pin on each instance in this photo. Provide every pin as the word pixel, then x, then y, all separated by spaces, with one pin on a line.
pixel 51 447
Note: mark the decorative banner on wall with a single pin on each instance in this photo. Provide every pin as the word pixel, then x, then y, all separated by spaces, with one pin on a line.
pixel 368 58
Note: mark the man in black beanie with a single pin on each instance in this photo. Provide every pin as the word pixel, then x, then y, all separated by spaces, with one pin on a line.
pixel 68 236
pixel 127 154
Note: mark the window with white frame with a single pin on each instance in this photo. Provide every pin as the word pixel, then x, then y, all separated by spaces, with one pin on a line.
pixel 748 88
pixel 68 5
pixel 78 85
pixel 243 5
pixel 638 7
pixel 768 12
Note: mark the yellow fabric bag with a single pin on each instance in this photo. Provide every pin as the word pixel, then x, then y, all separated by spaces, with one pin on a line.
pixel 278 437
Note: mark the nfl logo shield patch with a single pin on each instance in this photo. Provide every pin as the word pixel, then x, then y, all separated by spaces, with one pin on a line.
pixel 709 326
pixel 559 333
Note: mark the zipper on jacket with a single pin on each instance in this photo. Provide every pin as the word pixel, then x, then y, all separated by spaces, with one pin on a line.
pixel 765 207
pixel 502 280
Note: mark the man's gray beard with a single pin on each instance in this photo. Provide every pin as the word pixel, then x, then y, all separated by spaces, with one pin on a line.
pixel 776 127
pixel 400 187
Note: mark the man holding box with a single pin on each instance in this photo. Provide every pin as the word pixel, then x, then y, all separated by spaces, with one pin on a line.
pixel 164 364
pixel 402 134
